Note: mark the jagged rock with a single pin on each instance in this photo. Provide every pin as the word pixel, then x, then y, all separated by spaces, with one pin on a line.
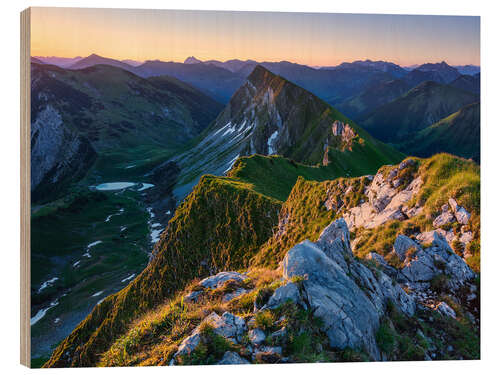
pixel 445 217
pixel 232 358
pixel 216 281
pixel 287 292
pixel 350 319
pixel 437 259
pixel 453 203
pixel 466 237
pixel 406 163
pixel 335 242
pixel 381 262
pixel 272 349
pixel 189 344
pixel 446 310
pixel 460 212
pixel 256 336
pixel 333 288
pixel 238 292
pixel 344 132
pixel 228 325
pixel 428 237
pixel 384 202
pixel 462 216
pixel 193 296
pixel 402 245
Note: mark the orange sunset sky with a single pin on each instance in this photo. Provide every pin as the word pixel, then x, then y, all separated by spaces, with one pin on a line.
pixel 306 38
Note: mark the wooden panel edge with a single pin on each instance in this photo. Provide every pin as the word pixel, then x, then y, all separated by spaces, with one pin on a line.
pixel 25 199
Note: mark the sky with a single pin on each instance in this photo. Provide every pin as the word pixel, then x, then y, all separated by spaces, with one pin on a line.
pixel 316 39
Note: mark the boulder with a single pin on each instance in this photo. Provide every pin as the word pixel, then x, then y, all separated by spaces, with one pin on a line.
pixel 462 216
pixel 460 212
pixel 446 310
pixel 347 296
pixel 444 218
pixel 238 292
pixel 228 325
pixel 216 281
pixel 193 296
pixel 256 336
pixel 453 204
pixel 349 317
pixel 287 292
pixel 437 259
pixel 189 344
pixel 466 237
pixel 382 263
pixel 402 245
pixel 232 358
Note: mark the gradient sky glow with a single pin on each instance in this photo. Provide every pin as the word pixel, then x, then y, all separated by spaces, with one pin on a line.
pixel 305 38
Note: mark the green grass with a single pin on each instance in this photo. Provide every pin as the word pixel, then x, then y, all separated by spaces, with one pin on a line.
pixel 219 226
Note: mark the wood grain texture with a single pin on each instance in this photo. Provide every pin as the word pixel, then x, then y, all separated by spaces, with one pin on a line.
pixel 25 189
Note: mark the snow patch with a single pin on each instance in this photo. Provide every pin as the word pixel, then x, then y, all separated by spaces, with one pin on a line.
pixel 231 163
pixel 145 186
pixel 41 313
pixel 98 293
pixel 270 143
pixel 128 278
pixel 47 283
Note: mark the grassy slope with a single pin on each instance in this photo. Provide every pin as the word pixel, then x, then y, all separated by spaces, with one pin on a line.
pixel 238 239
pixel 444 176
pixel 154 337
pixel 60 234
pixel 258 185
pixel 458 134
pixel 219 226
pixel 417 109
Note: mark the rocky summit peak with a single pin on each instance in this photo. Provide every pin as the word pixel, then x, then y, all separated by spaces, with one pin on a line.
pixel 192 60
pixel 260 76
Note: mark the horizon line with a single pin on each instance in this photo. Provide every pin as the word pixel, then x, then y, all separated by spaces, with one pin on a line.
pixel 262 61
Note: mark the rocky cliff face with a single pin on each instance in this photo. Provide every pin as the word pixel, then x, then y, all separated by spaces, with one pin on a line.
pixel 59 156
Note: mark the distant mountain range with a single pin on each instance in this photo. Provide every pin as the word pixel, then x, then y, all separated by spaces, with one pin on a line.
pixel 380 95
pixel 62 62
pixel 418 108
pixel 470 83
pixel 458 133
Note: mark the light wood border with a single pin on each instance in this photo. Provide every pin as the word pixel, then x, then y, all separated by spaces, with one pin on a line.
pixel 25 188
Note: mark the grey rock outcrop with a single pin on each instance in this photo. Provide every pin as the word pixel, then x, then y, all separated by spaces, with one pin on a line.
pixel 230 326
pixel 460 212
pixel 216 281
pixel 446 310
pixel 387 200
pixel 382 263
pixel 232 358
pixel 402 245
pixel 333 287
pixel 426 264
pixel 59 155
pixel 287 292
pixel 256 336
